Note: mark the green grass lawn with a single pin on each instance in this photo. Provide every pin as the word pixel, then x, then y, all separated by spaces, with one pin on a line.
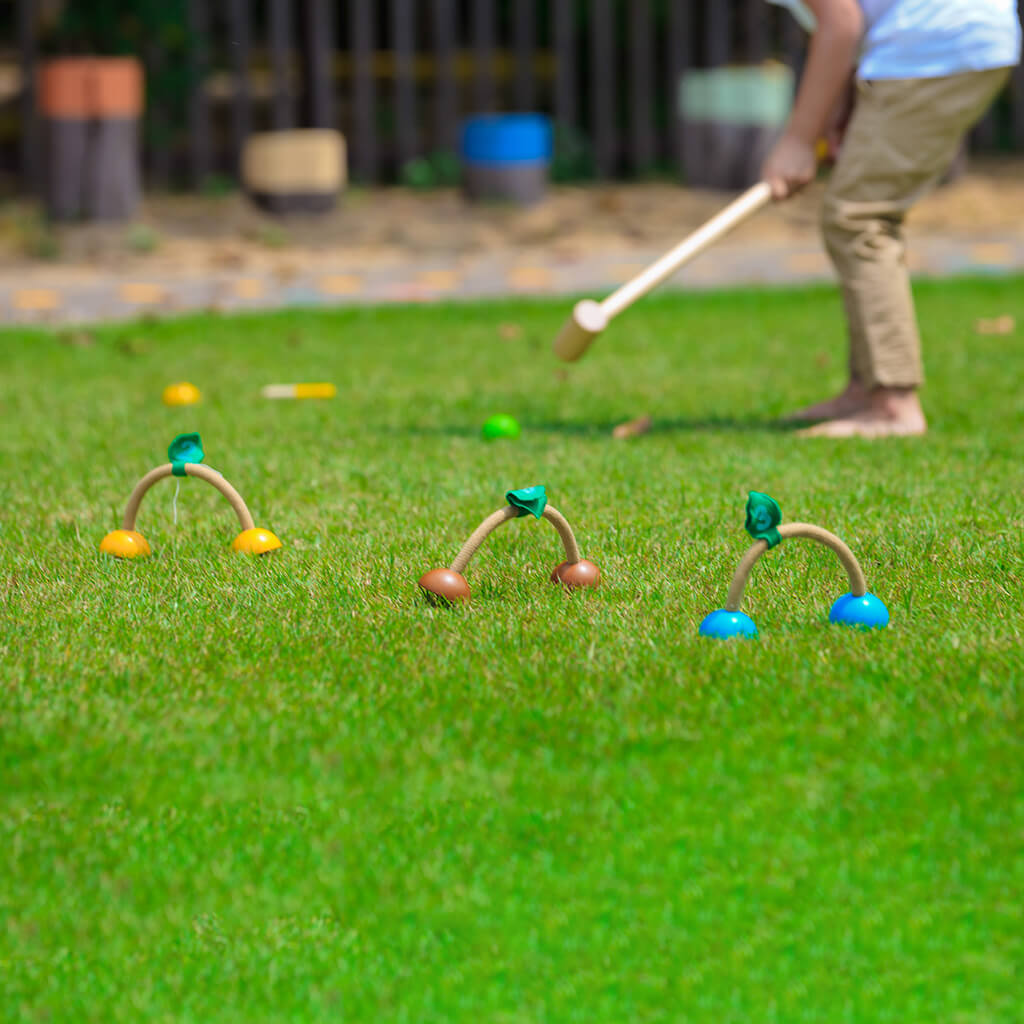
pixel 235 789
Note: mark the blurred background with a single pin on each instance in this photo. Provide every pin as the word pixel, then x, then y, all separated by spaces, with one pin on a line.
pixel 397 76
pixel 399 123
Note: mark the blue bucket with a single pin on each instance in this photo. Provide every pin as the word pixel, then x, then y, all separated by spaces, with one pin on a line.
pixel 506 157
pixel 507 139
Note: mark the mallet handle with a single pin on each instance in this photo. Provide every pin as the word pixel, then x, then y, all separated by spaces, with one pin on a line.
pixel 735 213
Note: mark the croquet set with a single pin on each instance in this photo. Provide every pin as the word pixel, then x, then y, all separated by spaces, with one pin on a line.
pixel 447 586
pixel 186 456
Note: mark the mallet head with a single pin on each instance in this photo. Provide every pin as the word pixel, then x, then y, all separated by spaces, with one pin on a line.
pixel 588 320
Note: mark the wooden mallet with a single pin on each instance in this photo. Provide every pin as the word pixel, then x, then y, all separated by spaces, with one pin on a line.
pixel 590 318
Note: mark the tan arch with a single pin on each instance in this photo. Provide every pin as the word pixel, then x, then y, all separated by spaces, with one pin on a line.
pixel 858 584
pixel 502 516
pixel 211 476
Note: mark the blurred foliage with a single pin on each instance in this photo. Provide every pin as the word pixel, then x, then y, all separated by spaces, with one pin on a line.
pixel 119 27
pixel 573 158
pixel 439 170
pixel 142 238
pixel 28 233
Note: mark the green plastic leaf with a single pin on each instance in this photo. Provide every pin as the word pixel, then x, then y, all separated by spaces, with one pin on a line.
pixel 528 500
pixel 185 448
pixel 763 518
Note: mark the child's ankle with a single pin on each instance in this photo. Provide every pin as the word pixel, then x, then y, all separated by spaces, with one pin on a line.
pixel 895 401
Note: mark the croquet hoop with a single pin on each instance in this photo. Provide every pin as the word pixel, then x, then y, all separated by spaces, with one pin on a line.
pixel 200 472
pixel 504 515
pixel 858 584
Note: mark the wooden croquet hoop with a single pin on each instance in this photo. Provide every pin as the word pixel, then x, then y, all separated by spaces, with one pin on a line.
pixel 211 476
pixel 502 516
pixel 858 584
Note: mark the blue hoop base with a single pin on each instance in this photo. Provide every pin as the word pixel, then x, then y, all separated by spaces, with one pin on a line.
pixel 865 612
pixel 723 625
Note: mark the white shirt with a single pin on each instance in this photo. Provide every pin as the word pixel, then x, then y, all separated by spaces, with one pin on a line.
pixel 931 38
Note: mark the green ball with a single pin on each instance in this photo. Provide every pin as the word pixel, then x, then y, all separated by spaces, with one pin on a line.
pixel 501 426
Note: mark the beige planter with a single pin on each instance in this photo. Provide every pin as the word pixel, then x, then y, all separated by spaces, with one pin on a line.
pixel 294 171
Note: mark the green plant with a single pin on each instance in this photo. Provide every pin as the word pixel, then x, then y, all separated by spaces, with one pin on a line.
pixel 417 173
pixel 217 186
pixel 271 235
pixel 37 237
pixel 142 238
pixel 573 158
pixel 439 170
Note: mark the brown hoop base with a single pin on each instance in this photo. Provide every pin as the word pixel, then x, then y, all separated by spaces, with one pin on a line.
pixel 449 586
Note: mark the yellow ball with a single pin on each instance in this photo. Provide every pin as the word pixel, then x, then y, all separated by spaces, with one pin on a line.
pixel 256 541
pixel 181 394
pixel 125 544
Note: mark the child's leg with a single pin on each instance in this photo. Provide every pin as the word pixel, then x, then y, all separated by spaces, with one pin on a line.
pixel 903 137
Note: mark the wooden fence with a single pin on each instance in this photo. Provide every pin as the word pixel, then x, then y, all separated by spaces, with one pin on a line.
pixel 397 76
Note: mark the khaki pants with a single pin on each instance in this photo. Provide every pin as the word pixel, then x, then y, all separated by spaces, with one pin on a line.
pixel 903 137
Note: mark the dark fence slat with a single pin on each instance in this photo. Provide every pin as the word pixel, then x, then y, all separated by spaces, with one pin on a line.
pixel 525 45
pixel 641 86
pixel 484 30
pixel 680 18
pixel 200 146
pixel 403 38
pixel 240 45
pixel 603 87
pixel 563 32
pixel 318 77
pixel 983 136
pixel 717 44
pixel 363 143
pixel 29 156
pixel 1018 109
pixel 1017 96
pixel 279 30
pixel 794 44
pixel 758 31
pixel 446 99
pixel 161 142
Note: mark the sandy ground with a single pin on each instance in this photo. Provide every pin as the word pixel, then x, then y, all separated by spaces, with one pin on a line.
pixel 192 236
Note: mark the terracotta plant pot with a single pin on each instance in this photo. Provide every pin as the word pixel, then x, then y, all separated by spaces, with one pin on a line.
pixel 117 88
pixel 64 88
pixel 91 108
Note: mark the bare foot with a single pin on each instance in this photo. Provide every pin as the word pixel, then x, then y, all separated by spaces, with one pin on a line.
pixel 853 399
pixel 634 428
pixel 891 412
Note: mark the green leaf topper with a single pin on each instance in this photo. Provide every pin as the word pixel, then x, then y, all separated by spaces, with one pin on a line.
pixel 528 501
pixel 763 518
pixel 185 448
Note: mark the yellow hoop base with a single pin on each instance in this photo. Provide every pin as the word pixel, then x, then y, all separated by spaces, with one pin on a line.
pixel 256 541
pixel 181 394
pixel 125 544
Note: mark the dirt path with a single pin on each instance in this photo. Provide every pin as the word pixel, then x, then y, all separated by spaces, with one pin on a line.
pixel 390 244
